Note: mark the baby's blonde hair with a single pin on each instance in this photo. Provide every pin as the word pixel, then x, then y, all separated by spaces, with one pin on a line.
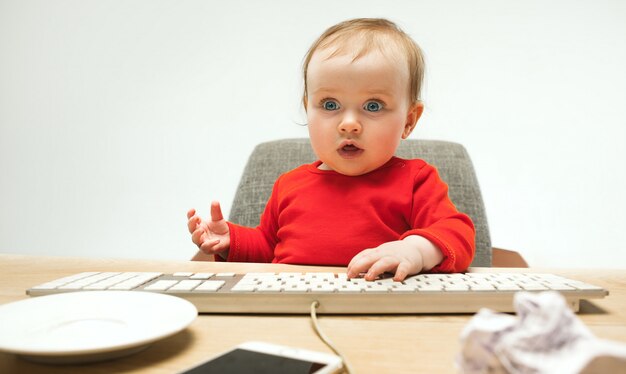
pixel 364 34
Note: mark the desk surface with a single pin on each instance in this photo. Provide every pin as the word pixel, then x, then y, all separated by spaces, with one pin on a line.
pixel 372 344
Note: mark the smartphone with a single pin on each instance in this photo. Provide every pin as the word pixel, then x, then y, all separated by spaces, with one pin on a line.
pixel 261 357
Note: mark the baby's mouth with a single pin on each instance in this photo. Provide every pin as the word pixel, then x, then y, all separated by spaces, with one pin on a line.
pixel 349 151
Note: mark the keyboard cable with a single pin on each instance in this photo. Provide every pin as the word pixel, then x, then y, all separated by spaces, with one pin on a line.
pixel 346 366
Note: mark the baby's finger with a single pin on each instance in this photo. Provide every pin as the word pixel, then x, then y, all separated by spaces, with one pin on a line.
pixel 197 236
pixel 401 272
pixel 385 264
pixel 208 247
pixel 216 212
pixel 193 224
pixel 362 262
pixel 191 213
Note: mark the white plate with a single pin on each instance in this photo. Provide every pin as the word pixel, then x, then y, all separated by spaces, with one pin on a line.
pixel 91 325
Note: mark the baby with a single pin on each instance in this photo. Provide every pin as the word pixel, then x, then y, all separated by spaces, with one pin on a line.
pixel 357 206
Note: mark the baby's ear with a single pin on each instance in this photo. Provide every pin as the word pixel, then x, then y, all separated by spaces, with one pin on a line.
pixel 414 114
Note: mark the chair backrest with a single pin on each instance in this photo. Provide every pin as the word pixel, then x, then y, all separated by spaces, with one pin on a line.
pixel 271 159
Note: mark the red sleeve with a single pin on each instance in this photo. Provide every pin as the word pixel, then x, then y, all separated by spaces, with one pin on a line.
pixel 257 244
pixel 435 217
pixel 248 244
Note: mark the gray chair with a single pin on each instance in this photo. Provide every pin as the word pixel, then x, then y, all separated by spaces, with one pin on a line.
pixel 269 160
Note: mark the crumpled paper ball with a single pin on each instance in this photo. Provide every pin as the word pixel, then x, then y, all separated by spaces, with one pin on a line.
pixel 544 337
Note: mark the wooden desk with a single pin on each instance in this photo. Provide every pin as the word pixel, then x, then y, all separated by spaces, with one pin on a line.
pixel 372 344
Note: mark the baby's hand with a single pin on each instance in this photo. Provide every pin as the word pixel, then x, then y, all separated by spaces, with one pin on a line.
pixel 212 237
pixel 402 257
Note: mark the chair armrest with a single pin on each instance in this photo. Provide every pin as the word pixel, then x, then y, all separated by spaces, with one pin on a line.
pixel 504 258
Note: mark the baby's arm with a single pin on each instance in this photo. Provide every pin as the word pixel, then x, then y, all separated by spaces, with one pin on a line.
pixel 212 237
pixel 440 239
pixel 410 255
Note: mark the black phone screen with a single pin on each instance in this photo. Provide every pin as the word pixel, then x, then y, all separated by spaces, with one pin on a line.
pixel 241 361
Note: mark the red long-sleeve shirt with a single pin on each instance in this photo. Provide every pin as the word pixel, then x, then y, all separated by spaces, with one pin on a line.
pixel 321 217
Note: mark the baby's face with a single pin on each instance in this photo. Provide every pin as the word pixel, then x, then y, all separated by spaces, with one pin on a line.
pixel 358 110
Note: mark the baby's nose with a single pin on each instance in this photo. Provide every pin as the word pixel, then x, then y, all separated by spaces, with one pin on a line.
pixel 350 124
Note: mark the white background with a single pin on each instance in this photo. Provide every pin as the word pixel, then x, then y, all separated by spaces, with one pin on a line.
pixel 116 117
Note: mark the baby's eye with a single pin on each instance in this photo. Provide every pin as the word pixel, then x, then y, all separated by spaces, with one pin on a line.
pixel 373 106
pixel 330 105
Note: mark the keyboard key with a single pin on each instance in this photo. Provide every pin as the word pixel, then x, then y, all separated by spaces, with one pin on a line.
pixel 46 286
pixel 243 288
pixel 534 287
pixel 456 287
pixel 376 288
pixel 210 286
pixel 161 285
pixel 73 278
pixel 296 288
pixel 403 288
pixel 350 288
pixel 291 275
pixel 201 276
pixel 269 287
pixel 183 274
pixel 430 288
pixel 482 287
pixel 507 287
pixel 324 288
pixel 584 286
pixel 185 285
pixel 561 287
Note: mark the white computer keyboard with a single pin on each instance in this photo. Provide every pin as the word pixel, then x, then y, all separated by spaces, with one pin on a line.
pixel 294 292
